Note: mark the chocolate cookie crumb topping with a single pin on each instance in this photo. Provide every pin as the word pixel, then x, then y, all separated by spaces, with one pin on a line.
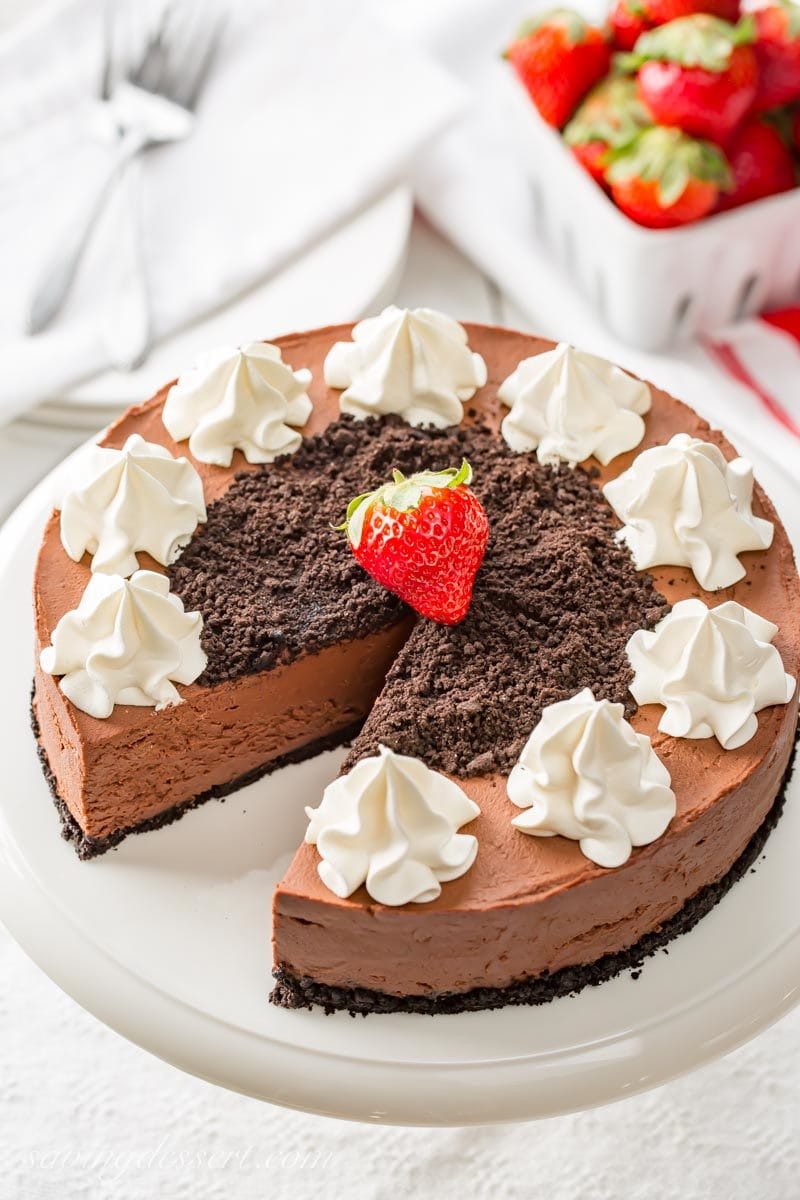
pixel 554 605
pixel 555 600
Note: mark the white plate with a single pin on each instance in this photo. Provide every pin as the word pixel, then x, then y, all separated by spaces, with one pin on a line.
pixel 167 941
pixel 351 272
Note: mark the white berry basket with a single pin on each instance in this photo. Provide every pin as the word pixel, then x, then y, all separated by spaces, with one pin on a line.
pixel 653 287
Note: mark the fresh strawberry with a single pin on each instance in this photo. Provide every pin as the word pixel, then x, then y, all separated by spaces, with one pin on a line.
pixel 697 73
pixel 628 22
pixel 610 117
pixel 777 50
pixel 423 538
pixel 761 163
pixel 795 127
pixel 665 178
pixel 631 18
pixel 661 12
pixel 559 56
pixel 593 157
pixel 787 319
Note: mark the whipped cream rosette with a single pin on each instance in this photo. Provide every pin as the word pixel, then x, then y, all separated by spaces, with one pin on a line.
pixel 392 824
pixel 587 775
pixel 415 363
pixel 135 499
pixel 129 641
pixel 684 505
pixel 713 669
pixel 239 398
pixel 568 405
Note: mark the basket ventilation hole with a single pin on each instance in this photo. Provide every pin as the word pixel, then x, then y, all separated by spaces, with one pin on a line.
pixel 681 314
pixel 745 296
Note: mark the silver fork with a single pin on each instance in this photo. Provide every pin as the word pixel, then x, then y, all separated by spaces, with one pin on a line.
pixel 165 85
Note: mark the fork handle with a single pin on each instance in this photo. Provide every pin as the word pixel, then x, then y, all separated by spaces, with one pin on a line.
pixel 55 281
pixel 127 321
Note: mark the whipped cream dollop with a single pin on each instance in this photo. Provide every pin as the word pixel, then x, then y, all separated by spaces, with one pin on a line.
pixel 415 363
pixel 239 398
pixel 391 823
pixel 136 498
pixel 713 669
pixel 586 774
pixel 568 405
pixel 684 505
pixel 129 641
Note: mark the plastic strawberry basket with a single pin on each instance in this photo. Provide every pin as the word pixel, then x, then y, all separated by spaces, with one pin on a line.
pixel 654 287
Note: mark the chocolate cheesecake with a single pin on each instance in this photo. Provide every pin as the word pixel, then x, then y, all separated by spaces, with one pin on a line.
pixel 304 650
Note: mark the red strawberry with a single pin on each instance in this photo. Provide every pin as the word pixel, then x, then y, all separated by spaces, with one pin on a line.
pixel 760 161
pixel 592 157
pixel 610 117
pixel 795 119
pixel 787 319
pixel 631 18
pixel 661 12
pixel 698 73
pixel 628 22
pixel 423 538
pixel 559 56
pixel 665 178
pixel 777 50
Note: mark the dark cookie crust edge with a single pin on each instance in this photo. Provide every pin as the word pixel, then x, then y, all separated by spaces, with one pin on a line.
pixel 87 847
pixel 301 992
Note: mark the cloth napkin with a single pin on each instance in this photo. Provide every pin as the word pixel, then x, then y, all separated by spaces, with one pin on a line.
pixel 472 189
pixel 763 354
pixel 308 116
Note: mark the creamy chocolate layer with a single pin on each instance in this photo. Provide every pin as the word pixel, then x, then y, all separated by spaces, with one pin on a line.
pixel 531 905
pixel 114 774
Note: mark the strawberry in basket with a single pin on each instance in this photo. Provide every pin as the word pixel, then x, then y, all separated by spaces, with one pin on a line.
pixel 777 50
pixel 609 118
pixel 631 18
pixel 760 161
pixel 698 74
pixel 665 178
pixel 558 56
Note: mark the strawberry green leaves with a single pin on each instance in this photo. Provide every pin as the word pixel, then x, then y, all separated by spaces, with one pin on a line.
pixel 422 537
pixel 671 160
pixel 699 40
pixel 401 495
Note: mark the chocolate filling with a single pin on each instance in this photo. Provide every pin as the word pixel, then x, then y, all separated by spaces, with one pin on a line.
pixel 302 992
pixel 88 847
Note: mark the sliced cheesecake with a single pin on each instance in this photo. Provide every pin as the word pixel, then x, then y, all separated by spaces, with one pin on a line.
pixel 304 650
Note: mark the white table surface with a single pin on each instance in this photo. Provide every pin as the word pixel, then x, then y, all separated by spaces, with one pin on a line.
pixel 85 1114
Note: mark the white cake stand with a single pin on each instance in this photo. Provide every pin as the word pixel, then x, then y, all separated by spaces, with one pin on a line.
pixel 167 941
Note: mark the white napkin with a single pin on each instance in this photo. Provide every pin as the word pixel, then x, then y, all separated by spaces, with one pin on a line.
pixel 311 112
pixel 763 355
pixel 472 189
